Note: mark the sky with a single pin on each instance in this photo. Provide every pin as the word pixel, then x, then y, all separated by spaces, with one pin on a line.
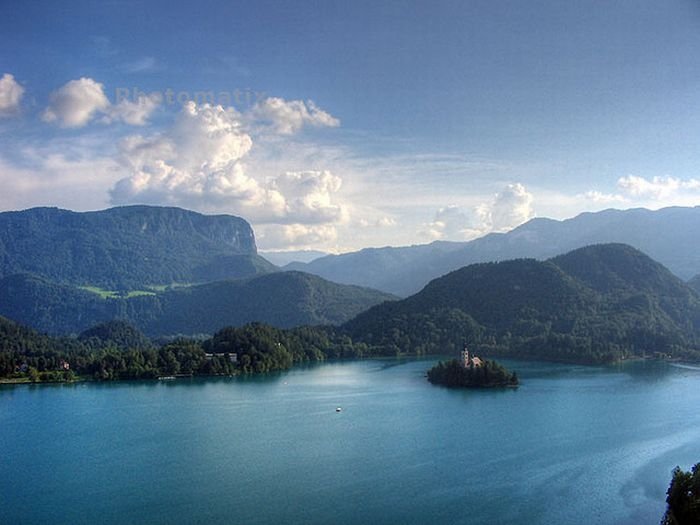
pixel 341 125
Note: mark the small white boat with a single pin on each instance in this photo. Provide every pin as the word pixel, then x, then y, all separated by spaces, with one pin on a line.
pixel 338 409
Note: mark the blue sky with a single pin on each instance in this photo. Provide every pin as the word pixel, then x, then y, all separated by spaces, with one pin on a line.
pixel 353 123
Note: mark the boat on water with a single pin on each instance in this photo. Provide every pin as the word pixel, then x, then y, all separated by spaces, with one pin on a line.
pixel 338 409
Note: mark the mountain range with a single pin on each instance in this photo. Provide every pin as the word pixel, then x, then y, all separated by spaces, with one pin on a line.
pixel 595 304
pixel 128 247
pixel 669 235
pixel 598 304
pixel 173 272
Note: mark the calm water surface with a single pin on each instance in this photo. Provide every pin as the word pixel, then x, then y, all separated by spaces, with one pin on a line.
pixel 571 445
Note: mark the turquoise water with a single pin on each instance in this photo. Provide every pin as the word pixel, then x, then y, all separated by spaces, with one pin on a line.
pixel 571 445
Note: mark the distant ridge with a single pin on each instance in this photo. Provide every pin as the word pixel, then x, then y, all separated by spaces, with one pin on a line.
pixel 127 247
pixel 287 257
pixel 669 235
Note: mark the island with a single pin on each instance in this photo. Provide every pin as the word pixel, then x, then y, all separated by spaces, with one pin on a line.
pixel 471 372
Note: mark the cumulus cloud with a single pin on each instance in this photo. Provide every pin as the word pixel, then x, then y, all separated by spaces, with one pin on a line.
pixel 509 208
pixel 309 196
pixel 134 113
pixel 297 235
pixel 658 188
pixel 78 102
pixel 455 223
pixel 10 95
pixel 75 103
pixel 654 192
pixel 287 117
pixel 195 162
pixel 199 162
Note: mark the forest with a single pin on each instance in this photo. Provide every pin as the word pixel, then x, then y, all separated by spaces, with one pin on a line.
pixel 599 304
pixel 115 351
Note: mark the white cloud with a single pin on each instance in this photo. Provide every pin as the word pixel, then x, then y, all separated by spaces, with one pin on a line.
pixel 633 190
pixel 309 196
pixel 511 207
pixel 199 163
pixel 195 163
pixel 599 197
pixel 10 95
pixel 287 117
pixel 77 102
pixel 658 188
pixel 133 113
pixel 56 179
pixel 455 223
pixel 296 235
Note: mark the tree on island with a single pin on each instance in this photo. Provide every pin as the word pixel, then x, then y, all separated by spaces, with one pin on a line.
pixel 683 498
pixel 488 374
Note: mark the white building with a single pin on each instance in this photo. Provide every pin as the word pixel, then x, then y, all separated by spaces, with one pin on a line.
pixel 468 361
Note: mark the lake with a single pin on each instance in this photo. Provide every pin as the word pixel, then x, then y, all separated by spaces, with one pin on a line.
pixel 573 444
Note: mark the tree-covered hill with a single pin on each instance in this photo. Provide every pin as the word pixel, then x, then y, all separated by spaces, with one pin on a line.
pixel 118 334
pixel 127 247
pixel 619 267
pixel 597 304
pixel 497 294
pixel 116 351
pixel 282 299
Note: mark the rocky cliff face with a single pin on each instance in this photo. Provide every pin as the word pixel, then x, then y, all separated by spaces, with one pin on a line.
pixel 128 246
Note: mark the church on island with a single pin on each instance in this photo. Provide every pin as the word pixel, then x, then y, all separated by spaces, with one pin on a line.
pixel 467 361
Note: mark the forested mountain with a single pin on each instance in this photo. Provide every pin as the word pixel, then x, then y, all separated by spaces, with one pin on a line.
pixel 282 299
pixel 595 304
pixel 668 235
pixel 694 283
pixel 127 247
